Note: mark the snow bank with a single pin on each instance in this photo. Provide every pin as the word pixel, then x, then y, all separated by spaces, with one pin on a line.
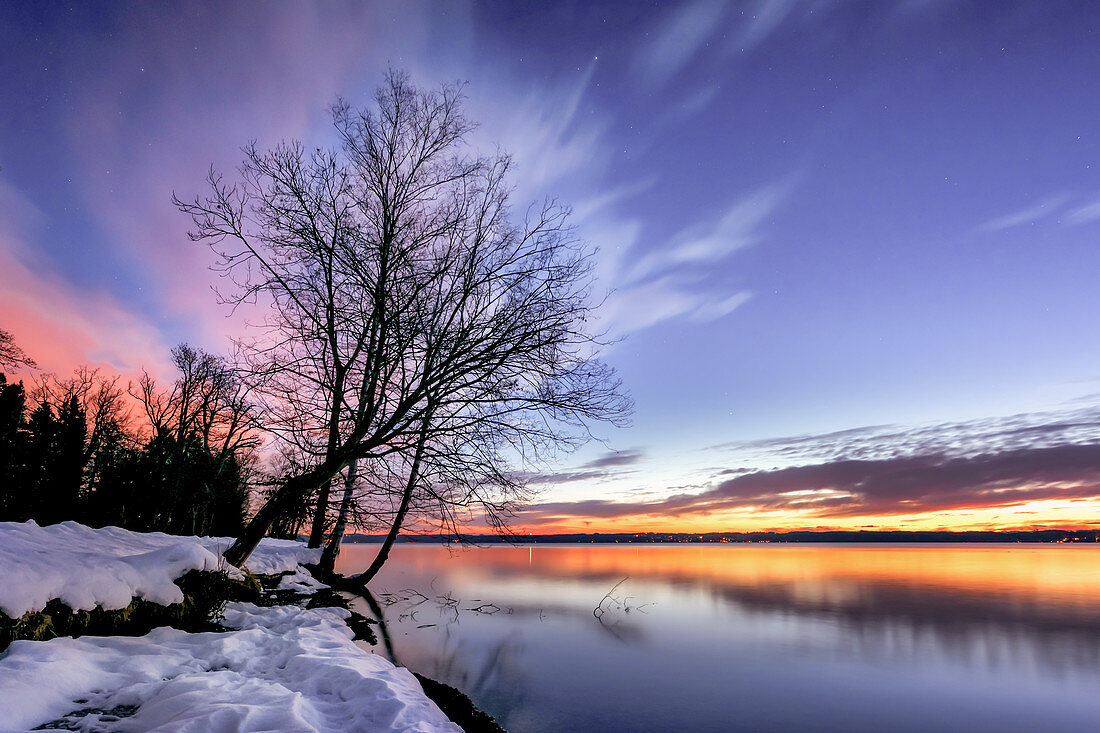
pixel 286 669
pixel 85 567
pixel 300 581
pixel 270 556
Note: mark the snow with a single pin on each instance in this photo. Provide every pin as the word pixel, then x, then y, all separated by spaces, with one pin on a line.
pixel 108 567
pixel 285 669
pixel 300 581
pixel 270 557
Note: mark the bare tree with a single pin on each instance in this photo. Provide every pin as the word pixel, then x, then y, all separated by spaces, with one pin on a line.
pixel 100 398
pixel 10 352
pixel 205 415
pixel 408 307
pixel 92 414
pixel 208 401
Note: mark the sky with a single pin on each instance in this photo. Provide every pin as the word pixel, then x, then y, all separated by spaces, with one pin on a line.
pixel 850 247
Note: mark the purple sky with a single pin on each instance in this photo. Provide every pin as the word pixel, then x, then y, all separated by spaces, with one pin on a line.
pixel 813 216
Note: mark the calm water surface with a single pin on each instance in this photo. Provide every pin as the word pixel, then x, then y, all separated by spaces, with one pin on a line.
pixel 753 637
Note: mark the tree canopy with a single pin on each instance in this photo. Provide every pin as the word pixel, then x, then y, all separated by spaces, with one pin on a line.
pixel 418 329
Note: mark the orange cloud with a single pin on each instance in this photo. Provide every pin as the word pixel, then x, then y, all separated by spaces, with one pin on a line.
pixel 1019 472
pixel 1077 515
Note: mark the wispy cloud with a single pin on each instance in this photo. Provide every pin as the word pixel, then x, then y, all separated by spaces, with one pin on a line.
pixel 678 38
pixel 705 243
pixel 670 281
pixel 562 146
pixel 1077 425
pixel 711 311
pixel 1062 208
pixel 763 21
pixel 691 105
pixel 1084 214
pixel 631 309
pixel 543 129
pixel 889 470
pixel 1028 215
pixel 610 465
pixel 617 458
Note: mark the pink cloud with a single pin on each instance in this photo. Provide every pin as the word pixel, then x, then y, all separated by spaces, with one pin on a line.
pixel 62 327
pixel 161 110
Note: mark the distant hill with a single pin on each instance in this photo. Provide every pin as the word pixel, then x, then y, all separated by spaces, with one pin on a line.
pixel 597 538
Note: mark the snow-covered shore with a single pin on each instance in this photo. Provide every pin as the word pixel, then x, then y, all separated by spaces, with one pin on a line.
pixel 109 567
pixel 286 669
pixel 283 668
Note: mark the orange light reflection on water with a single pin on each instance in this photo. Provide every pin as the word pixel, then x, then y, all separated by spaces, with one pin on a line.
pixel 867 637
pixel 1059 574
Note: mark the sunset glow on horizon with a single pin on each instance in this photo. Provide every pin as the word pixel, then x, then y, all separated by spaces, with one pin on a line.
pixel 1041 515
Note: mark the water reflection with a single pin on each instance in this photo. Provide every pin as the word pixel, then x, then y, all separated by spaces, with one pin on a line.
pixel 745 638
pixel 451 659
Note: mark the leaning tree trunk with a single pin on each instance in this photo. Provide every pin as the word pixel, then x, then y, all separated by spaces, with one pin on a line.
pixel 280 502
pixel 365 577
pixel 332 548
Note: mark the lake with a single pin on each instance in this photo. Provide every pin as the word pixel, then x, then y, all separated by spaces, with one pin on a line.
pixel 752 637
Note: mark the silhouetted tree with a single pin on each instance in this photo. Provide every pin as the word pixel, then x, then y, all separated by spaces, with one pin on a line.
pixel 179 489
pixel 408 306
pixel 205 435
pixel 40 448
pixel 97 397
pixel 80 456
pixel 11 355
pixel 14 498
pixel 12 450
pixel 64 475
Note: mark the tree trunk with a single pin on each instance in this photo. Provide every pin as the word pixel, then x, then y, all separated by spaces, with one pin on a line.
pixel 332 548
pixel 362 579
pixel 317 531
pixel 293 489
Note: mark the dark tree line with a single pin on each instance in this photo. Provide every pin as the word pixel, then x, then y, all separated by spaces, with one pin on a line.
pixel 80 449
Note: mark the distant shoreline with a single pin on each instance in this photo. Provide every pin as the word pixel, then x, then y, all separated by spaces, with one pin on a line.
pixel 839 536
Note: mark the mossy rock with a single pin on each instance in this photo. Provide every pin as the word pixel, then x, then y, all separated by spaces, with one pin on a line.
pixel 37 626
pixel 205 594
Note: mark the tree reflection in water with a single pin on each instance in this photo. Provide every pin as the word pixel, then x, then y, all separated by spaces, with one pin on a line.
pixel 453 663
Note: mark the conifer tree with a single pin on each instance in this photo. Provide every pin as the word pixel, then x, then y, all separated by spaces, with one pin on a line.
pixel 12 436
